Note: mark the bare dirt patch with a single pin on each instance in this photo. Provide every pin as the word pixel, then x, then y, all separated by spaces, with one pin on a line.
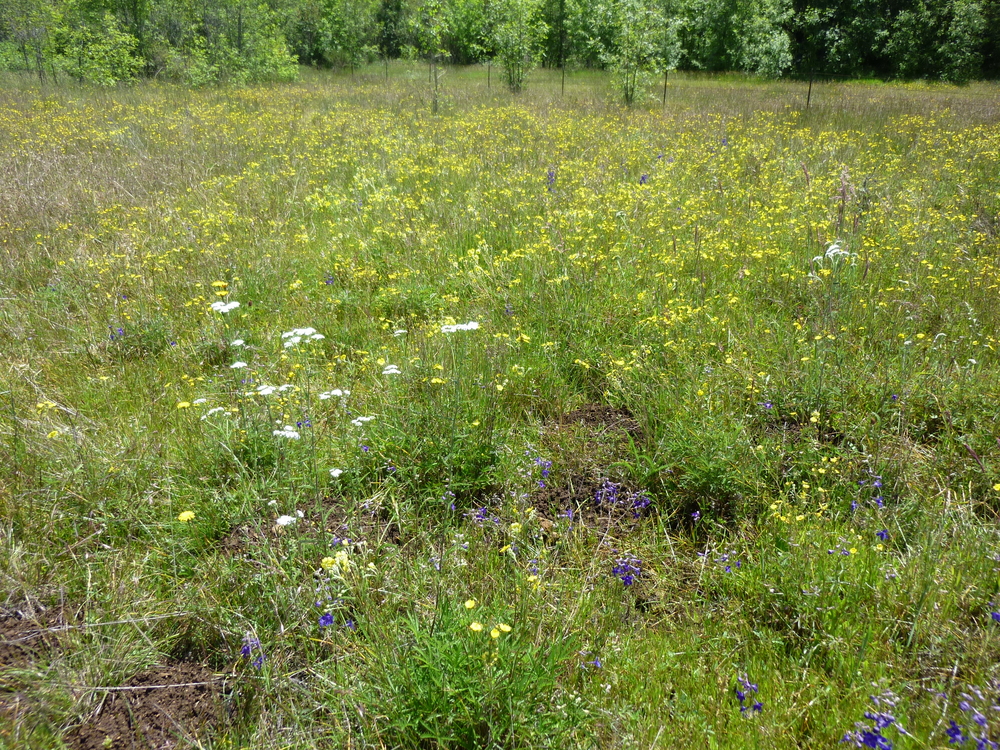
pixel 163 708
pixel 586 488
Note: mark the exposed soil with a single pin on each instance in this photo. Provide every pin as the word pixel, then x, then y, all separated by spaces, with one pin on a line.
pixel 25 639
pixel 604 419
pixel 586 492
pixel 170 706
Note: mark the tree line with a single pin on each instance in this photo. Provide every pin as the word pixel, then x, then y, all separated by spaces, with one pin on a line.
pixel 203 42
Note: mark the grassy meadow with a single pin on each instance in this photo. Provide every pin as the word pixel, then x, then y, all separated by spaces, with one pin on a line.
pixel 535 422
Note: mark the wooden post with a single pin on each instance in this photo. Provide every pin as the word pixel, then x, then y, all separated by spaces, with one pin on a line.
pixel 489 70
pixel 809 96
pixel 665 72
pixel 562 91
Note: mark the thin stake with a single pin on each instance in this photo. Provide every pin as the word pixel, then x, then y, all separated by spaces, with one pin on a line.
pixel 665 73
pixel 809 96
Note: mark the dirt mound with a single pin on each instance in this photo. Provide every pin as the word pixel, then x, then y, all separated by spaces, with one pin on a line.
pixel 588 486
pixel 166 707
pixel 604 419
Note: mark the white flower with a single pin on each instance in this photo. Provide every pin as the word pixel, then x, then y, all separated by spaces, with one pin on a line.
pixel 286 520
pixel 296 335
pixel 237 342
pixel 224 307
pixel 336 472
pixel 399 332
pixel 200 401
pixel 287 432
pixel 361 420
pixel 265 390
pixel 212 411
pixel 285 387
pixel 391 370
pixel 335 392
pixel 237 365
pixel 470 326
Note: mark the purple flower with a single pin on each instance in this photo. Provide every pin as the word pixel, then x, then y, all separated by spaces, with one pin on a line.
pixel 883 534
pixel 326 620
pixel 954 732
pixel 696 515
pixel 643 179
pixel 995 616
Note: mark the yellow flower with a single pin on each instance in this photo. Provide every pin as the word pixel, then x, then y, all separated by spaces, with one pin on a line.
pixel 504 627
pixel 476 627
pixel 54 433
pixel 327 562
pixel 997 486
pixel 187 515
pixel 470 603
pixel 494 633
pixel 437 381
pixel 183 404
pixel 515 528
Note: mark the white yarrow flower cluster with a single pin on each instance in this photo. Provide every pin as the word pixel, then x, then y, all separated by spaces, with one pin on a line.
pixel 286 432
pixel 267 390
pixel 237 365
pixel 210 412
pixel 335 393
pixel 391 370
pixel 470 326
pixel 361 420
pixel 236 342
pixel 224 307
pixel 336 472
pixel 298 335
pixel 289 520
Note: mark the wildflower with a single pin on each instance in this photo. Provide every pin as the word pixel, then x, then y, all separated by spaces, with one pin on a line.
pixel 494 633
pixel 504 627
pixel 286 520
pixel 390 370
pixel 359 421
pixel 336 392
pixel 183 404
pixel 336 472
pixel 399 332
pixel 224 307
pixel 883 534
pixel 286 432
pixel 748 689
pixel 515 528
pixel 995 616
pixel 627 569
pixel 954 732
pixel 185 516
pixel 470 326
pixel 326 620
pixel 327 563
pixel 476 627
pixel 236 342
pixel 237 365
pixel 470 603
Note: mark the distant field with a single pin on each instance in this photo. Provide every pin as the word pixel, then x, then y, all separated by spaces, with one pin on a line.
pixel 538 422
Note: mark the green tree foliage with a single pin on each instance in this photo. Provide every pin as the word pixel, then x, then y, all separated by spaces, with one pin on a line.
pixel 100 53
pixel 210 41
pixel 638 29
pixel 519 31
